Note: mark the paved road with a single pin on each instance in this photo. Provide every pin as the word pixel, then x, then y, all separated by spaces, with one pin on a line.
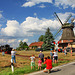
pixel 68 69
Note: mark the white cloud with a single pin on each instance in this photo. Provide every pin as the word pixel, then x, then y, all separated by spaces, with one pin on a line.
pixel 64 16
pixel 35 24
pixel 42 6
pixel 65 3
pixel 19 40
pixel 11 29
pixel 1 16
pixel 58 3
pixel 11 40
pixel 1 11
pixel 32 26
pixel 0 26
pixel 2 41
pixel 25 40
pixel 35 14
pixel 31 3
pixel 29 27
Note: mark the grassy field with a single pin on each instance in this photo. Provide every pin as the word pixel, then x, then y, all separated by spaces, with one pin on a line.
pixel 22 65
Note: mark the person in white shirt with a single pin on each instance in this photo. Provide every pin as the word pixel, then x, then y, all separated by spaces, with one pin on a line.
pixel 13 53
pixel 55 56
pixel 32 61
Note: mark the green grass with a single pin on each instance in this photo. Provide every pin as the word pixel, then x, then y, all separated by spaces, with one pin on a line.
pixel 23 63
pixel 26 69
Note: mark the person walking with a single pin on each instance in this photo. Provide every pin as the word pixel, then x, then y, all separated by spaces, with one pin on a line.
pixel 51 54
pixel 65 51
pixel 55 56
pixel 13 53
pixel 71 51
pixel 3 52
pixel 41 55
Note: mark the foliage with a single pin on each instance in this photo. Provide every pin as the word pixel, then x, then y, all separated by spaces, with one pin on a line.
pixel 25 70
pixel 22 46
pixel 34 47
pixel 41 38
pixel 48 39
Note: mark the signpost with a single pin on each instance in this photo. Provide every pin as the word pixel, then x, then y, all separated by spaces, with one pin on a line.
pixel 12 66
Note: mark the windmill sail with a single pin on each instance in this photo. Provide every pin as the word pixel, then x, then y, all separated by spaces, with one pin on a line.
pixel 68 18
pixel 58 31
pixel 58 18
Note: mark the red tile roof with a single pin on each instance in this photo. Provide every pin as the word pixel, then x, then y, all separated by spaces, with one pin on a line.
pixel 36 44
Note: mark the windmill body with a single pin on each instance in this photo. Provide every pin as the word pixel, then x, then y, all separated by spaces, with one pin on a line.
pixel 67 37
pixel 68 33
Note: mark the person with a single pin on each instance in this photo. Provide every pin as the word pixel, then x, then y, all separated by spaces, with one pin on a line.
pixel 65 51
pixel 13 53
pixel 71 51
pixel 32 61
pixel 45 58
pixel 41 55
pixel 39 63
pixel 55 56
pixel 51 54
pixel 3 52
pixel 48 63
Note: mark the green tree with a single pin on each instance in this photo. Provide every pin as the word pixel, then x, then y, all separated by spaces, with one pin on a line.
pixel 48 38
pixel 25 46
pixel 22 46
pixel 41 38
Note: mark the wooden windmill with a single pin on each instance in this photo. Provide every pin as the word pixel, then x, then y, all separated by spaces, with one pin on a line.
pixel 68 34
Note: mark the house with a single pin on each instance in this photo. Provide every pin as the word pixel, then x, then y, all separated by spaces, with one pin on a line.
pixel 36 45
pixel 67 43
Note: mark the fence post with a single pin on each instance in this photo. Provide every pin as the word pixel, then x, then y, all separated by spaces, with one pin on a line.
pixel 12 66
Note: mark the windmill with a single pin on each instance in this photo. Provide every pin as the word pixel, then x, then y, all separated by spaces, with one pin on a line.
pixel 67 34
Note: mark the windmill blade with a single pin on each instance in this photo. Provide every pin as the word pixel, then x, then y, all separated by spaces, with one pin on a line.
pixel 58 31
pixel 68 18
pixel 58 18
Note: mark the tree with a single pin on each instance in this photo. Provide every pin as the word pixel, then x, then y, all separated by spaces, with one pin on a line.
pixel 41 38
pixel 25 46
pixel 48 38
pixel 22 45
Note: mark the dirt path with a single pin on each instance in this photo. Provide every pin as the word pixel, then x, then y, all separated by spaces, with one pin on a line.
pixel 37 57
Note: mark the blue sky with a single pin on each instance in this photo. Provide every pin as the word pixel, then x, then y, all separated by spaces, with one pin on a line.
pixel 26 20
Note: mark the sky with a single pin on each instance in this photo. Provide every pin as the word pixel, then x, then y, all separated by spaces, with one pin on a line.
pixel 27 20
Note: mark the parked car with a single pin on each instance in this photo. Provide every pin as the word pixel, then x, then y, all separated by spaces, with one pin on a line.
pixel 39 49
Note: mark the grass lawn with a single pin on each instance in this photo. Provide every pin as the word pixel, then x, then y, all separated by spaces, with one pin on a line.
pixel 22 65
